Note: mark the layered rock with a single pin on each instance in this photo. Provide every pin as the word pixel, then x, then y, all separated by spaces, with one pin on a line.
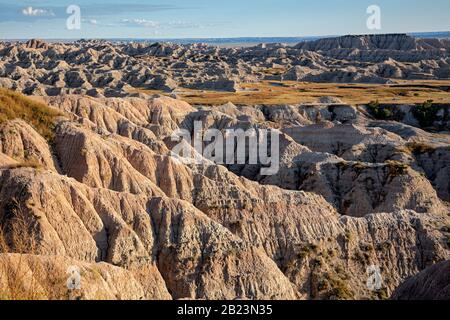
pixel 101 68
pixel 107 193
pixel 18 140
pixel 32 277
pixel 431 284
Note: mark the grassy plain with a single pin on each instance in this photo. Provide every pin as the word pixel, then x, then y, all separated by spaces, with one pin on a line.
pixel 290 92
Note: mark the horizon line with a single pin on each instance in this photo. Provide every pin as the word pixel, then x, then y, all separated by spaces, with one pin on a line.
pixel 416 33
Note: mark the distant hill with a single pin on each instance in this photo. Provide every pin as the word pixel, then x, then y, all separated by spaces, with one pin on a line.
pixel 247 40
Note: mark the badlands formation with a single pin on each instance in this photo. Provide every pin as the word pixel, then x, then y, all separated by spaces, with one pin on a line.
pixel 87 179
pixel 100 68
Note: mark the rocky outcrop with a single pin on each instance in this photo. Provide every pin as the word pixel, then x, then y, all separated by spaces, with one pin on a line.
pixel 109 198
pixel 32 277
pixel 366 42
pixel 357 188
pixel 19 141
pixel 197 257
pixel 431 284
pixel 217 85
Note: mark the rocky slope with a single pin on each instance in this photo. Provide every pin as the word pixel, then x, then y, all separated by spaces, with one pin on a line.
pixel 431 284
pixel 104 194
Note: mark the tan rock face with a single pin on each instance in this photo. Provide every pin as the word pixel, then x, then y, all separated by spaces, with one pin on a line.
pixel 20 141
pixel 45 277
pixel 79 222
pixel 431 284
pixel 357 189
pixel 108 197
pixel 201 259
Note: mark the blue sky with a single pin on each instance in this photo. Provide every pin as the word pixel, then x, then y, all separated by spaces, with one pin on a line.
pixel 214 18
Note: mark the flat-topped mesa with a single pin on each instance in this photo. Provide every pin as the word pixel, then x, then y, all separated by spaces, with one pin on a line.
pixel 401 42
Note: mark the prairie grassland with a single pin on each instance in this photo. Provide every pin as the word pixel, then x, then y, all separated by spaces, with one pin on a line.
pixel 14 105
pixel 290 92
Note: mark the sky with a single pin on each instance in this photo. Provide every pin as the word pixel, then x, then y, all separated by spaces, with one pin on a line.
pixel 47 19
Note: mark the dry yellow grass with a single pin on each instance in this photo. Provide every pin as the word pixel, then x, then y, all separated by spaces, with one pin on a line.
pixel 17 236
pixel 290 92
pixel 31 163
pixel 21 276
pixel 15 105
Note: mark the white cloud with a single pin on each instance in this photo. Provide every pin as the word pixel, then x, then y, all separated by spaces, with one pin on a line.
pixel 160 25
pixel 30 11
pixel 95 22
pixel 184 25
pixel 141 23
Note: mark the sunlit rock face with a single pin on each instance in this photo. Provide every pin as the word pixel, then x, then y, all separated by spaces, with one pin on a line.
pixel 106 195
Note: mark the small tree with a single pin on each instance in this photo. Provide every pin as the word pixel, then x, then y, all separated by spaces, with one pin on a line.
pixel 425 113
pixel 380 113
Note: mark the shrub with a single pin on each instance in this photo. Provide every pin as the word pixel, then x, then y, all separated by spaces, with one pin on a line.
pixel 343 165
pixel 306 250
pixel 425 113
pixel 331 287
pixel 396 168
pixel 366 247
pixel 380 113
pixel 384 246
pixel 381 294
pixel 420 148
pixel 348 236
pixel 361 257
